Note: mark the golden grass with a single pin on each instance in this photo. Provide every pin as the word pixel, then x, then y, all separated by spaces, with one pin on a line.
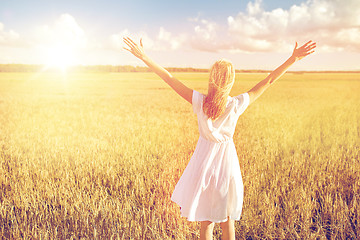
pixel 97 156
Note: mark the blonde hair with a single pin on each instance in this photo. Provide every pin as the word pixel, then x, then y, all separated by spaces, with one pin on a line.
pixel 222 77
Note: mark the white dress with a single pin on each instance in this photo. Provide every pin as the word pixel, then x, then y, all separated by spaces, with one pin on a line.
pixel 211 187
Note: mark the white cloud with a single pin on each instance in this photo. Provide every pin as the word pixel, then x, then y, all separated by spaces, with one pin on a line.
pixel 334 24
pixel 8 38
pixel 207 36
pixel 63 41
pixel 116 40
pixel 254 8
pixel 207 30
pixel 65 31
pixel 162 41
pixel 168 41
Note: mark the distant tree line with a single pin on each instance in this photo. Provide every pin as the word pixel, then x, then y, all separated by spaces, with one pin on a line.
pixel 100 68
pixel 89 68
pixel 20 68
pixel 128 68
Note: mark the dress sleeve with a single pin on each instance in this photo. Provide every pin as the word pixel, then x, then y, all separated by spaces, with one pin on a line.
pixel 196 101
pixel 243 101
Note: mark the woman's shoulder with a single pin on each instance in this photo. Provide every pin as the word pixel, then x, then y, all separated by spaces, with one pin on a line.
pixel 197 100
pixel 198 95
pixel 241 101
pixel 241 97
pixel 195 92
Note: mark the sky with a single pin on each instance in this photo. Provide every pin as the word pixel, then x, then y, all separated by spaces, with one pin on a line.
pixel 256 34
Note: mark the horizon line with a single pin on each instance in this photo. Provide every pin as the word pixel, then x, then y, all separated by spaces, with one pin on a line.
pixel 10 67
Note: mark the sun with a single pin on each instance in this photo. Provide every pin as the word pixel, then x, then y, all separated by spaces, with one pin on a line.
pixel 60 57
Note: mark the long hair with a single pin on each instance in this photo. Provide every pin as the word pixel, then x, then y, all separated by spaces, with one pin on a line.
pixel 222 77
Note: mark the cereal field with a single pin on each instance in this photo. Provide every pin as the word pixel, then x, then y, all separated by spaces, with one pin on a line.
pixel 97 156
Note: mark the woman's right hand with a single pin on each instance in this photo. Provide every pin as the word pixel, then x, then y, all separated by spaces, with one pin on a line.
pixel 136 50
pixel 304 50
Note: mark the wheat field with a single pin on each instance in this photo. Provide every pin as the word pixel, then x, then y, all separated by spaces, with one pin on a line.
pixel 97 156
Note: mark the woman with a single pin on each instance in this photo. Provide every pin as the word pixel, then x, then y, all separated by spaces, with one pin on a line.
pixel 210 189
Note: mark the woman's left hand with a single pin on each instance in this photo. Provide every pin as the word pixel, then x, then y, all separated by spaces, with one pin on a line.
pixel 304 50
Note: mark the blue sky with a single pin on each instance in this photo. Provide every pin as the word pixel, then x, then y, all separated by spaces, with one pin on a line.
pixel 108 16
pixel 253 34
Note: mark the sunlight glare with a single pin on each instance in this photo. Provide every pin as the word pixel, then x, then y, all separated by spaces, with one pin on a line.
pixel 60 57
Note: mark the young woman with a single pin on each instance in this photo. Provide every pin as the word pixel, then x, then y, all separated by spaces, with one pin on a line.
pixel 210 189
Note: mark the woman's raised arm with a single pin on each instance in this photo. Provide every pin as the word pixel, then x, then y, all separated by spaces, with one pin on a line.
pixel 179 87
pixel 297 54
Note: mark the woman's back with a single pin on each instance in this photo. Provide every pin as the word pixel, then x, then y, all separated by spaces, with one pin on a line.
pixel 222 129
pixel 211 187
